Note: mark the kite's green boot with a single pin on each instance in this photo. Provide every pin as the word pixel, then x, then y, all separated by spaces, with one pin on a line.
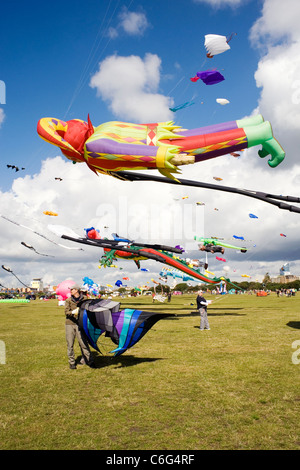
pixel 262 134
pixel 251 121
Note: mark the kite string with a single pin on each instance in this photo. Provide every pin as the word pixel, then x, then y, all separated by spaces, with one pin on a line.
pixel 39 234
pixel 85 73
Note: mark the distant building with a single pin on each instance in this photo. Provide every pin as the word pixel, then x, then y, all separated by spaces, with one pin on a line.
pixel 37 285
pixel 285 275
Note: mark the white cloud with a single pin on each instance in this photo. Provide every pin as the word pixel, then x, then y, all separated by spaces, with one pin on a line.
pixel 276 33
pixel 133 23
pixel 223 3
pixel 112 33
pixel 278 20
pixel 130 22
pixel 130 86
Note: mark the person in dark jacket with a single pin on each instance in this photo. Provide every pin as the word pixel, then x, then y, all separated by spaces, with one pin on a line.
pixel 72 305
pixel 202 307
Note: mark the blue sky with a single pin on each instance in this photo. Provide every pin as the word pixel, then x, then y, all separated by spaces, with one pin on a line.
pixel 50 57
pixel 46 51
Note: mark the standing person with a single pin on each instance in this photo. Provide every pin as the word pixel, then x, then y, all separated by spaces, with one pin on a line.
pixel 202 307
pixel 72 331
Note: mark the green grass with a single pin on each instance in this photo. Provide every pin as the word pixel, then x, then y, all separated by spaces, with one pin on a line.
pixel 233 387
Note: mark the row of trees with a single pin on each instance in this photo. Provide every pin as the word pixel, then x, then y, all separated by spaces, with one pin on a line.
pixel 244 285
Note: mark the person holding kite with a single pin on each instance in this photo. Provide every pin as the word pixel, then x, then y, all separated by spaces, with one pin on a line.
pixel 72 331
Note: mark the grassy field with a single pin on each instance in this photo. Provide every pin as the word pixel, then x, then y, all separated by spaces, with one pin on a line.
pixel 233 387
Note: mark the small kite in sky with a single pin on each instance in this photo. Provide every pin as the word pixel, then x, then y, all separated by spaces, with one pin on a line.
pixel 253 216
pixel 220 259
pixel 217 178
pixel 213 241
pixel 182 106
pixel 282 235
pixel 222 101
pixel 209 77
pixel 216 44
pixel 8 269
pixel 50 213
pixel 33 249
pixel 58 179
pixel 14 167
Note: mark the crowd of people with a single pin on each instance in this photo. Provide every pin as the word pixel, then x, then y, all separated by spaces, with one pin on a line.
pixel 286 292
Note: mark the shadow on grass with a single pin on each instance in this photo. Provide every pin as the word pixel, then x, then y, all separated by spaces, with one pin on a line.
pixel 148 308
pixel 169 308
pixel 122 361
pixel 294 324
pixel 211 312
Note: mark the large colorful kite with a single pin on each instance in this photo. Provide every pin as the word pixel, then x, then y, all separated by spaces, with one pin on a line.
pixel 124 327
pixel 127 249
pixel 116 146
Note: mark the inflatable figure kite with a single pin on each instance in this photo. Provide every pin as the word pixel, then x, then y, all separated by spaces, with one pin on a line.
pixel 116 146
pixel 124 327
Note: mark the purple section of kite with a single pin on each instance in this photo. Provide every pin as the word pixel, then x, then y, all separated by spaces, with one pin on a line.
pixel 111 147
pixel 118 320
pixel 217 153
pixel 210 77
pixel 225 126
